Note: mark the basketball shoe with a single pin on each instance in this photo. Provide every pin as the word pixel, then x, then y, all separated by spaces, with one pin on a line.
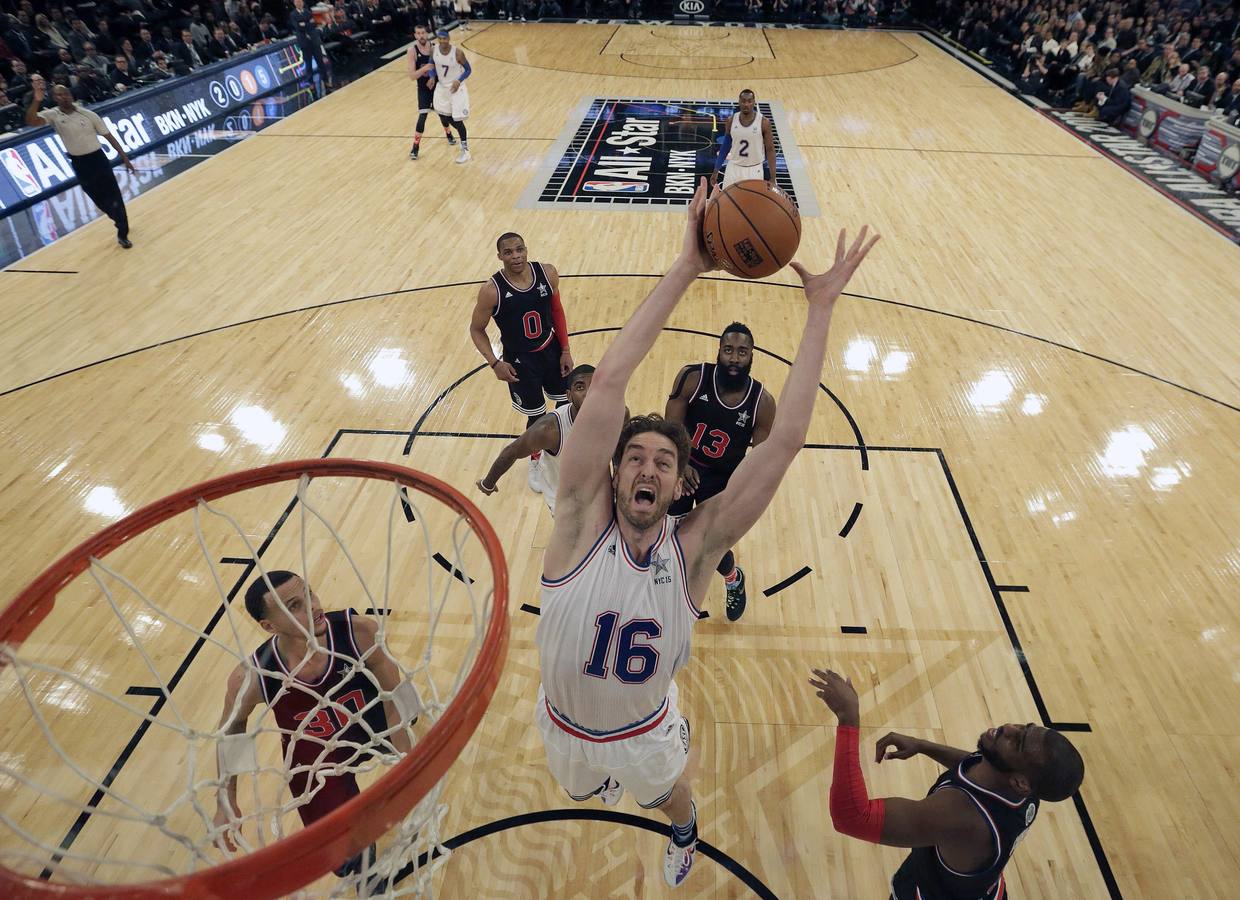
pixel 611 792
pixel 678 860
pixel 464 157
pixel 736 596
pixel 534 478
pixel 451 138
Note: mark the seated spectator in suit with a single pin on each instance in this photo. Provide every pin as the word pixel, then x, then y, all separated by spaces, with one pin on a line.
pixel 89 86
pixel 1224 92
pixel 217 46
pixel 1177 83
pixel 1131 76
pixel 199 31
pixel 1157 71
pixel 123 77
pixel 93 58
pixel 78 37
pixel 1113 102
pixel 340 31
pixel 159 69
pixel 65 66
pixel 166 42
pixel 1202 86
pixel 104 41
pixel 1033 76
pixel 185 56
pixel 126 50
pixel 267 31
pixel 144 47
pixel 1194 54
pixel 19 81
pixel 52 38
pixel 237 36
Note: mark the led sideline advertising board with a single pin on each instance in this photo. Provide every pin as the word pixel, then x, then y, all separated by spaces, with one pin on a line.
pixel 34 163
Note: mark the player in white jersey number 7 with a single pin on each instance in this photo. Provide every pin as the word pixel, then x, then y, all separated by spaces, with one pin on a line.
pixel 620 576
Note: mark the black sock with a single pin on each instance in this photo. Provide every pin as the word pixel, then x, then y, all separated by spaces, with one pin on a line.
pixel 727 564
pixel 684 835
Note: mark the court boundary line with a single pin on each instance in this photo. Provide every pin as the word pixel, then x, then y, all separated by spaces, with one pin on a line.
pixel 314 307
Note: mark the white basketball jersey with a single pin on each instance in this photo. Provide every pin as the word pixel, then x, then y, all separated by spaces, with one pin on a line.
pixel 613 634
pixel 447 69
pixel 747 146
pixel 549 463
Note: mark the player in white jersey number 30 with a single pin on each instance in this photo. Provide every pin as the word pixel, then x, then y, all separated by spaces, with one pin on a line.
pixel 620 575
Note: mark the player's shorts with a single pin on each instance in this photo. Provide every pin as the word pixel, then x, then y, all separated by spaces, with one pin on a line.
pixel 335 792
pixel 734 173
pixel 426 99
pixel 710 483
pixel 463 6
pixel 648 764
pixel 539 373
pixel 449 104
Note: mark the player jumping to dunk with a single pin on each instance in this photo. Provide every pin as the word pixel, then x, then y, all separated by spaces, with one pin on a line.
pixel 620 575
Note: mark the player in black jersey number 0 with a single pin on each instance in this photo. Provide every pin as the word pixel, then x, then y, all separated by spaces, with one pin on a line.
pixel 524 300
pixel 964 831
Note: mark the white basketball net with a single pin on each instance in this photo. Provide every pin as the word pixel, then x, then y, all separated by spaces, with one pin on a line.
pixel 171 830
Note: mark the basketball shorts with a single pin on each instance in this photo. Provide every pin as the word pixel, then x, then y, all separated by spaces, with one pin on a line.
pixel 426 99
pixel 335 792
pixel 449 104
pixel 463 6
pixel 710 483
pixel 648 764
pixel 736 172
pixel 539 373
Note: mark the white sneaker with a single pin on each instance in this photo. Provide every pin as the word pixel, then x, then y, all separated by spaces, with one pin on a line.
pixel 534 479
pixel 677 862
pixel 464 156
pixel 611 793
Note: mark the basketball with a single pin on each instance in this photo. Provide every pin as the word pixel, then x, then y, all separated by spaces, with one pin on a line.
pixel 752 229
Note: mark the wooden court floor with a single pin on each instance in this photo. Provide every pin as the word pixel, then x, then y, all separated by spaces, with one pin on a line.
pixel 1036 390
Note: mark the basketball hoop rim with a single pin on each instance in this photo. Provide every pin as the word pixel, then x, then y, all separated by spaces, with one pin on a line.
pixel 280 868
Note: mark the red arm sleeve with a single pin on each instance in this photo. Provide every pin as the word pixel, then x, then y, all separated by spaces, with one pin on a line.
pixel 557 319
pixel 852 811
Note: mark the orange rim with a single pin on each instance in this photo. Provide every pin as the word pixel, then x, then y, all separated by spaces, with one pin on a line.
pixel 301 857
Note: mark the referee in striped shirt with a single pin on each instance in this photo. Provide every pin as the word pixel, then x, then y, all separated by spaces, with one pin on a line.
pixel 80 129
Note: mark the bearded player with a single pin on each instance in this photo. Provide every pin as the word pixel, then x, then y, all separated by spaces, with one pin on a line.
pixel 324 705
pixel 620 575
pixel 725 412
pixel 964 831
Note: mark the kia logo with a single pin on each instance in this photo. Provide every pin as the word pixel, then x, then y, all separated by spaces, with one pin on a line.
pixel 692 6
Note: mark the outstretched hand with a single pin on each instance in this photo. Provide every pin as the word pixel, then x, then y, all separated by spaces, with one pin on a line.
pixel 838 693
pixel 824 289
pixel 693 250
pixel 901 746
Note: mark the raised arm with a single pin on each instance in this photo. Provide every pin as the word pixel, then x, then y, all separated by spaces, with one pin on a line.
pixel 240 699
pixel 36 97
pixel 542 435
pixel 559 320
pixel 719 523
pixel 583 497
pixel 901 746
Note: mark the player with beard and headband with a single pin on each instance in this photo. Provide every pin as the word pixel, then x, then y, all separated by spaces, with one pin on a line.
pixel 964 831
pixel 620 575
pixel 725 413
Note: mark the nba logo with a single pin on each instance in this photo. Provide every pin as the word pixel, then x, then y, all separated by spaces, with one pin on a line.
pixel 45 222
pixel 616 187
pixel 19 172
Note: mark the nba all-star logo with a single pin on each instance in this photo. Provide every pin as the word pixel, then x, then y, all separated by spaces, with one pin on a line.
pixel 660 564
pixel 743 418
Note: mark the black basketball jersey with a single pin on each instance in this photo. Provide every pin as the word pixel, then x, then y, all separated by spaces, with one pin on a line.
pixel 421 59
pixel 720 434
pixel 523 317
pixel 343 682
pixel 924 875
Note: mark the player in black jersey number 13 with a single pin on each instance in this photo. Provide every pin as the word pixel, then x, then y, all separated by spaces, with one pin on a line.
pixel 524 300
pixel 964 831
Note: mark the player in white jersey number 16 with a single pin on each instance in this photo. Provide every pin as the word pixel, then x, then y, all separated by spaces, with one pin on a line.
pixel 620 575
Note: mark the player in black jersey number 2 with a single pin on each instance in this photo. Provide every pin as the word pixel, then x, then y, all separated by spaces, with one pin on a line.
pixel 725 413
pixel 524 300
pixel 964 831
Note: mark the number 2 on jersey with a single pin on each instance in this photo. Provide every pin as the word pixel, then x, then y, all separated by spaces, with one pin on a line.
pixel 634 662
pixel 743 150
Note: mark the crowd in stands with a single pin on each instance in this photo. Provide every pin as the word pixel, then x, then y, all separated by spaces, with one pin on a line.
pixel 103 48
pixel 1090 55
